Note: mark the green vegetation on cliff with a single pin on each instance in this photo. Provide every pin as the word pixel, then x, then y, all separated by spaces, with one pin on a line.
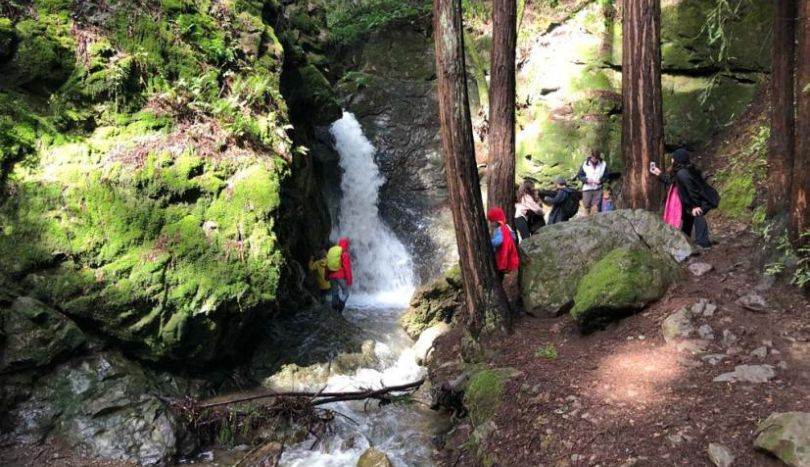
pixel 142 151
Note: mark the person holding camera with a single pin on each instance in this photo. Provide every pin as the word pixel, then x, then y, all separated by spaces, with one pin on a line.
pixel 689 197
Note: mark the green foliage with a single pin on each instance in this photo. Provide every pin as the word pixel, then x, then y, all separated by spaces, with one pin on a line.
pixel 547 351
pixel 738 179
pixel 716 29
pixel 349 22
pixel 793 258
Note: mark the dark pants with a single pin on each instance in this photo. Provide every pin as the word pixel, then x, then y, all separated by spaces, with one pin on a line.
pixel 701 228
pixel 527 227
pixel 340 293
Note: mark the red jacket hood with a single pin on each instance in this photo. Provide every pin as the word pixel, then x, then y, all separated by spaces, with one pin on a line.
pixel 343 242
pixel 495 214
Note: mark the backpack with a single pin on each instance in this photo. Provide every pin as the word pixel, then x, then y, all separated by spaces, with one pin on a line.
pixel 709 194
pixel 333 258
pixel 570 206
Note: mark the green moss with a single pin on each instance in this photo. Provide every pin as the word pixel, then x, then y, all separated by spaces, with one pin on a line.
pixel 484 394
pixel 44 56
pixel 624 279
pixel 6 37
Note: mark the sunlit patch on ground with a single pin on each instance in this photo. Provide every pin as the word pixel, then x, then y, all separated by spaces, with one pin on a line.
pixel 635 373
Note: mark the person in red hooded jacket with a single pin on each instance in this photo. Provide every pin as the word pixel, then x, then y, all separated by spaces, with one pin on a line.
pixel 340 277
pixel 503 242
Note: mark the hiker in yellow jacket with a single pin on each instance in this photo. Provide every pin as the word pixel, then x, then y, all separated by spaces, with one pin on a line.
pixel 318 266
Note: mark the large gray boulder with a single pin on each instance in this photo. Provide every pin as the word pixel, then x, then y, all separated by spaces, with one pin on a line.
pixel 787 436
pixel 606 249
pixel 100 406
pixel 35 335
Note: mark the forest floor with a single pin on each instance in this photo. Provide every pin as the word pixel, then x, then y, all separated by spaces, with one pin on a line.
pixel 622 396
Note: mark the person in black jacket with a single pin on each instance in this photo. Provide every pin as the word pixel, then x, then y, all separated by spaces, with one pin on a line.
pixel 559 201
pixel 689 182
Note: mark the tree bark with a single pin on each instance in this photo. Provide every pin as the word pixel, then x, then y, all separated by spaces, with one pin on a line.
pixel 781 154
pixel 800 186
pixel 642 114
pixel 486 304
pixel 501 163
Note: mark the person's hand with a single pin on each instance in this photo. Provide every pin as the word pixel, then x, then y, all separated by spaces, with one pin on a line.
pixel 697 212
pixel 655 171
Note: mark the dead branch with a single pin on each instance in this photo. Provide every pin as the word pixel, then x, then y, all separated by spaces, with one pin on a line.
pixel 320 397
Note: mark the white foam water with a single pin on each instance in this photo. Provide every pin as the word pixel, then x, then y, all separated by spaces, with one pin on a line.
pixel 382 267
pixel 384 283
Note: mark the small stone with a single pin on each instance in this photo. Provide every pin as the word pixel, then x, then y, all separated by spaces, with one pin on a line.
pixel 782 365
pixel 720 455
pixel 709 310
pixel 677 326
pixel 760 352
pixel 706 332
pixel 734 350
pixel 775 352
pixel 748 374
pixel 767 343
pixel 374 458
pixel 700 269
pixel 728 338
pixel 753 302
pixel 713 359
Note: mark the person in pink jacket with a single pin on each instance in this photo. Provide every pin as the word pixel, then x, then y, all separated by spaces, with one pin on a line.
pixel 528 212
pixel 340 277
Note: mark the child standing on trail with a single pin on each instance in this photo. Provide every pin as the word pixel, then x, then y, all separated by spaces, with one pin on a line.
pixel 607 202
pixel 318 267
pixel 339 264
pixel 503 242
pixel 565 203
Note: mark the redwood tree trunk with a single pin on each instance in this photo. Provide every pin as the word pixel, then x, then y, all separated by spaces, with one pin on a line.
pixel 780 155
pixel 800 187
pixel 501 163
pixel 642 115
pixel 486 303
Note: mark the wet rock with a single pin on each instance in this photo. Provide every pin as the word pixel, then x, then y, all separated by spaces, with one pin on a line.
pixel 434 303
pixel 706 332
pixel 424 344
pixel 266 454
pixel 373 457
pixel 678 326
pixel 293 377
pixel 101 406
pixel 760 352
pixel 720 455
pixel 787 436
pixel 748 374
pixel 35 335
pixel 700 269
pixel 753 302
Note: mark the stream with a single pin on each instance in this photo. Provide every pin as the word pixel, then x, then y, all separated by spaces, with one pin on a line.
pixel 384 281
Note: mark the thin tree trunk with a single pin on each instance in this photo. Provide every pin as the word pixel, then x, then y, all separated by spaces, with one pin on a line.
pixel 800 187
pixel 485 300
pixel 642 114
pixel 781 154
pixel 501 163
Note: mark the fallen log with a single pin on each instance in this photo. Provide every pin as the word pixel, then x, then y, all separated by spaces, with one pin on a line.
pixel 321 397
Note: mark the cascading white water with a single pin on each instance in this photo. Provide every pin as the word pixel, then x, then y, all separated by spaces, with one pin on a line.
pixel 382 267
pixel 384 283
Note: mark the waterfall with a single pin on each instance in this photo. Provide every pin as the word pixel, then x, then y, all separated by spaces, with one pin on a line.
pixel 382 267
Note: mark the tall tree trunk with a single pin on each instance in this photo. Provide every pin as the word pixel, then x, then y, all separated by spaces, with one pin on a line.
pixel 501 164
pixel 642 114
pixel 780 155
pixel 800 187
pixel 486 303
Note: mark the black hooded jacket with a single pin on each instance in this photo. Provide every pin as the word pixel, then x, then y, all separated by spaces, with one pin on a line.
pixel 690 183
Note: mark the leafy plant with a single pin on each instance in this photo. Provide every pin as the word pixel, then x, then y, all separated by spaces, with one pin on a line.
pixel 349 22
pixel 548 352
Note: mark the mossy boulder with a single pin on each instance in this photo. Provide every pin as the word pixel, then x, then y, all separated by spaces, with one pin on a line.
pixel 555 261
pixel 6 38
pixel 786 436
pixel 311 96
pixel 434 303
pixel 625 280
pixel 34 335
pixel 44 54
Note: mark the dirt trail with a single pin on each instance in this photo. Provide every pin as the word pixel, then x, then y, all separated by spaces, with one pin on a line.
pixel 622 396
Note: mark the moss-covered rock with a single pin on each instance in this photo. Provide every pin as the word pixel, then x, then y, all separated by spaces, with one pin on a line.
pixel 434 303
pixel 484 393
pixel 44 55
pixel 555 261
pixel 374 458
pixel 624 280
